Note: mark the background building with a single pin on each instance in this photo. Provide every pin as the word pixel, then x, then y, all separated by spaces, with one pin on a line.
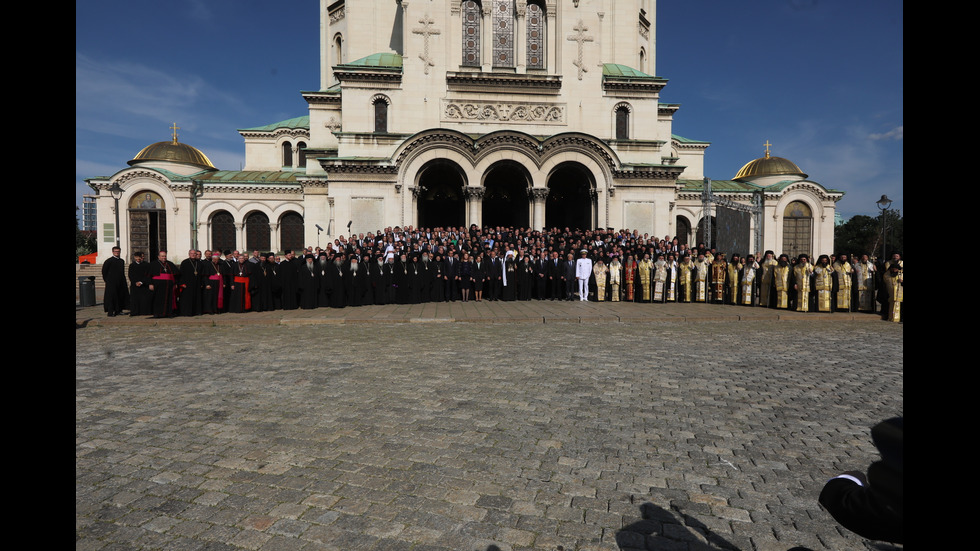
pixel 451 113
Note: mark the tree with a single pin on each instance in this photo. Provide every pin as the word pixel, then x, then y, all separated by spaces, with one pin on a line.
pixel 862 234
pixel 83 245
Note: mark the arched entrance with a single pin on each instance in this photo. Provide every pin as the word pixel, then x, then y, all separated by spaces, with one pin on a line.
pixel 505 201
pixel 570 203
pixel 440 195
pixel 147 223
pixel 797 229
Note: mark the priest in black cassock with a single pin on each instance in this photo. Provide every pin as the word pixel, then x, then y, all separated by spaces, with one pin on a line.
pixel 140 299
pixel 114 275
pixel 307 280
pixel 163 283
pixel 191 283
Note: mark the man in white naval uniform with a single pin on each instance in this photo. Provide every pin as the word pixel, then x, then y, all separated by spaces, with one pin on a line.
pixel 583 269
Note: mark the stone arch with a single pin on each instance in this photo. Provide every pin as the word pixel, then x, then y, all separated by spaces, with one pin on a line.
pixel 144 229
pixel 440 188
pixel 572 198
pixel 506 199
pixel 683 229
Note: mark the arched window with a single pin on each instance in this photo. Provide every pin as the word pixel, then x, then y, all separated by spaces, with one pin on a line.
pixel 287 154
pixel 622 122
pixel 257 232
pixel 338 49
pixel 503 33
pixel 643 60
pixel 537 36
pixel 222 231
pixel 291 231
pixel 472 20
pixel 301 158
pixel 380 115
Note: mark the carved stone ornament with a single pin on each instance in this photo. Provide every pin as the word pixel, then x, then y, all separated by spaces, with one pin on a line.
pixel 535 113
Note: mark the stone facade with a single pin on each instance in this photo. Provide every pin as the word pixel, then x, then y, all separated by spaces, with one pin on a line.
pixel 451 113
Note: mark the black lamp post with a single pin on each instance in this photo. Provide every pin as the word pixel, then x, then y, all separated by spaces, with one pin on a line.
pixel 116 192
pixel 883 204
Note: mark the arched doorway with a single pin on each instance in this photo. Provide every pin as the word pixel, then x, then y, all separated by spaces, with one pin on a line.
pixel 291 232
pixel 797 229
pixel 257 232
pixel 570 203
pixel 683 230
pixel 505 201
pixel 147 223
pixel 440 195
pixel 223 231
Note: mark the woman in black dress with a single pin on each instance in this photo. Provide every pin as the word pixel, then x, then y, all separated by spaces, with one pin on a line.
pixel 465 276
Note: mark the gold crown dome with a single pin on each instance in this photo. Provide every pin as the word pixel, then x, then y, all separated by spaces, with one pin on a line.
pixel 175 152
pixel 769 166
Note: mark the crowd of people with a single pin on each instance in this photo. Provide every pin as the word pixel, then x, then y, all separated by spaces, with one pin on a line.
pixel 409 266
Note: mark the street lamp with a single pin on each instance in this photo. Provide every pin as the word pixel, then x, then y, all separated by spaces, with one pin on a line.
pixel 883 204
pixel 116 192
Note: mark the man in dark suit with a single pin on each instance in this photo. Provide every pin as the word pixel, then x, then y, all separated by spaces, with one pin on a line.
pixel 450 272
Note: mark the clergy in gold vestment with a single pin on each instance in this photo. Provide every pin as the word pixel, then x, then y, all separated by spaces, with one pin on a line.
pixel 629 279
pixel 659 279
pixel 645 272
pixel 823 283
pixel 615 279
pixel 781 277
pixel 864 281
pixel 802 273
pixel 894 283
pixel 601 272
pixel 685 277
pixel 702 271
pixel 719 271
pixel 731 279
pixel 747 281
pixel 843 274
pixel 766 281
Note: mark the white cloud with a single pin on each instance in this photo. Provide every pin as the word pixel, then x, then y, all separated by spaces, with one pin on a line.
pixel 893 134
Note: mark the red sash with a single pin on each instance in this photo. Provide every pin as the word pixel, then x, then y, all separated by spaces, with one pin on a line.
pixel 221 290
pixel 248 296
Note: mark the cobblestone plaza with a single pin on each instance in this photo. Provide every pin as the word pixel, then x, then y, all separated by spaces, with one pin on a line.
pixel 476 436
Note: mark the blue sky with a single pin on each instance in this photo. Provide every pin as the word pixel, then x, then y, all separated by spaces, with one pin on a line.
pixel 820 80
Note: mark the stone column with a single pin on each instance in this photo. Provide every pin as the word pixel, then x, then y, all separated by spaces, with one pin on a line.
pixel 474 195
pixel 274 237
pixel 539 195
pixel 413 216
pixel 240 236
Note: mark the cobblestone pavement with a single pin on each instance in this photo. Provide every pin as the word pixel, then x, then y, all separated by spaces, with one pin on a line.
pixel 476 437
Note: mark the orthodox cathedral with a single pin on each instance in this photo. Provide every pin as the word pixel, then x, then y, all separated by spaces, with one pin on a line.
pixel 537 113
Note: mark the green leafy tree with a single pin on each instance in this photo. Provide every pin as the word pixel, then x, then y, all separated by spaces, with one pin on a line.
pixel 862 234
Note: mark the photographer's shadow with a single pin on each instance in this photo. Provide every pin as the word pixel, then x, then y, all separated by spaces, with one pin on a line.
pixel 661 529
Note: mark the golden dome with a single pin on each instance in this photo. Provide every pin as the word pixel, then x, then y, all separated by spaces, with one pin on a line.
pixel 769 166
pixel 174 151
